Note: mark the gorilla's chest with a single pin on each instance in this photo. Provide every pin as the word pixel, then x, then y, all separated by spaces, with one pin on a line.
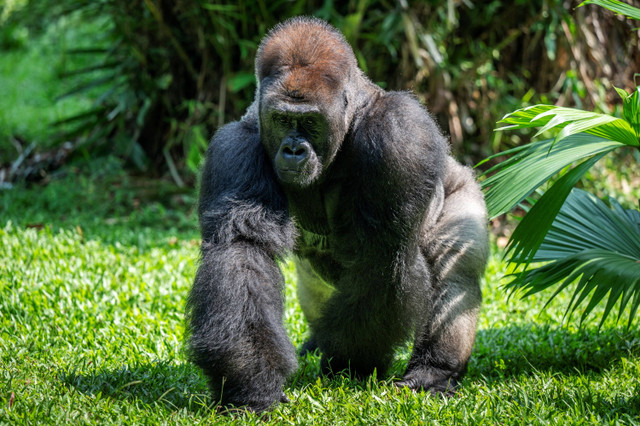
pixel 315 214
pixel 324 231
pixel 322 251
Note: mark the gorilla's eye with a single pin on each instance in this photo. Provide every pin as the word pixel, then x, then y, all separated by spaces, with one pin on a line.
pixel 309 124
pixel 281 120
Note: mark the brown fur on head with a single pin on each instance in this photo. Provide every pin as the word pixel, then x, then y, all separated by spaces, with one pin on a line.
pixel 307 55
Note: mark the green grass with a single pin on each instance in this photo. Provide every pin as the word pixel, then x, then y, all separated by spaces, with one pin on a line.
pixel 94 272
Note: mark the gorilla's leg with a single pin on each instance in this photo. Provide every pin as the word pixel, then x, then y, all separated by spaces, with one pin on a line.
pixel 360 327
pixel 351 337
pixel 456 248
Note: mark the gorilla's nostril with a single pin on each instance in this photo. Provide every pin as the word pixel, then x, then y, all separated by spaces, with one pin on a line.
pixel 298 151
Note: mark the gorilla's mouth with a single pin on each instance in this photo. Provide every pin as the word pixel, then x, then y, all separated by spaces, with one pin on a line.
pixel 292 176
pixel 301 177
pixel 297 170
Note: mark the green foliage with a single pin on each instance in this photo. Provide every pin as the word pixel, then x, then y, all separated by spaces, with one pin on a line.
pixel 31 64
pixel 582 139
pixel 596 244
pixel 616 6
pixel 94 275
pixel 157 78
pixel 581 239
pixel 586 137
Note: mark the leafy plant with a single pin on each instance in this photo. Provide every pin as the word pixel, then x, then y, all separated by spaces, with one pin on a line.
pixel 595 244
pixel 163 75
pixel 576 236
pixel 574 231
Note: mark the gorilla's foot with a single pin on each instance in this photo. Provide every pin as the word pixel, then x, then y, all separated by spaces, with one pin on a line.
pixel 434 380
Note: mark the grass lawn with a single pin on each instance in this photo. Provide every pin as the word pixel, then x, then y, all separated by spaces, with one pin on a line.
pixel 94 272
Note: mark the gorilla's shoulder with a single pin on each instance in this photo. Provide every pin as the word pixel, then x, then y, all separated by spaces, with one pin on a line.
pixel 397 119
pixel 234 127
pixel 235 134
pixel 241 131
pixel 400 102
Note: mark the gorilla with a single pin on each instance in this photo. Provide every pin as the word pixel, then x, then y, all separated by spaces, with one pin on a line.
pixel 388 230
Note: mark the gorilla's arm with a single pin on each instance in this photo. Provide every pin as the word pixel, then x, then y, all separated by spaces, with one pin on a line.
pixel 401 157
pixel 235 306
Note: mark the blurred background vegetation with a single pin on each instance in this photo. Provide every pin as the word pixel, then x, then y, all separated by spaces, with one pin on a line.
pixel 148 82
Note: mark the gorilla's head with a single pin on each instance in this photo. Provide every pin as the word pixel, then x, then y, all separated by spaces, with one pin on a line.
pixel 304 68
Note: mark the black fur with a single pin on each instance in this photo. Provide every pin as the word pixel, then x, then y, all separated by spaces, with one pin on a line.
pixel 389 231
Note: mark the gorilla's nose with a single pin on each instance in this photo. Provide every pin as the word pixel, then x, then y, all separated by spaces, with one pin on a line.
pixel 294 154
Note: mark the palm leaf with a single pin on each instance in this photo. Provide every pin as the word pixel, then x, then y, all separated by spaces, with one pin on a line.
pixel 616 6
pixel 571 121
pixel 517 177
pixel 596 244
pixel 569 235
pixel 530 232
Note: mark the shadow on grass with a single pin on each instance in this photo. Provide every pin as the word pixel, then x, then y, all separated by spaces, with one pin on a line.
pixel 523 349
pixel 500 355
pixel 310 372
pixel 175 387
pixel 172 386
pixel 503 354
pixel 591 361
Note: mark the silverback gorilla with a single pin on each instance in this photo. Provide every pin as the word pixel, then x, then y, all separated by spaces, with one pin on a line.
pixel 389 231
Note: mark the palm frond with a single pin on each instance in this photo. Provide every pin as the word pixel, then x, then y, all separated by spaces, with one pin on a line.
pixel 531 231
pixel 596 244
pixel 517 177
pixel 616 6
pixel 571 121
pixel 572 233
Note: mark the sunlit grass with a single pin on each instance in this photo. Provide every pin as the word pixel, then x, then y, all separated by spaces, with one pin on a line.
pixel 93 281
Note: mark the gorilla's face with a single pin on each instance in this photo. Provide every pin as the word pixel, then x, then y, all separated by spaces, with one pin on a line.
pixel 299 140
pixel 302 97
